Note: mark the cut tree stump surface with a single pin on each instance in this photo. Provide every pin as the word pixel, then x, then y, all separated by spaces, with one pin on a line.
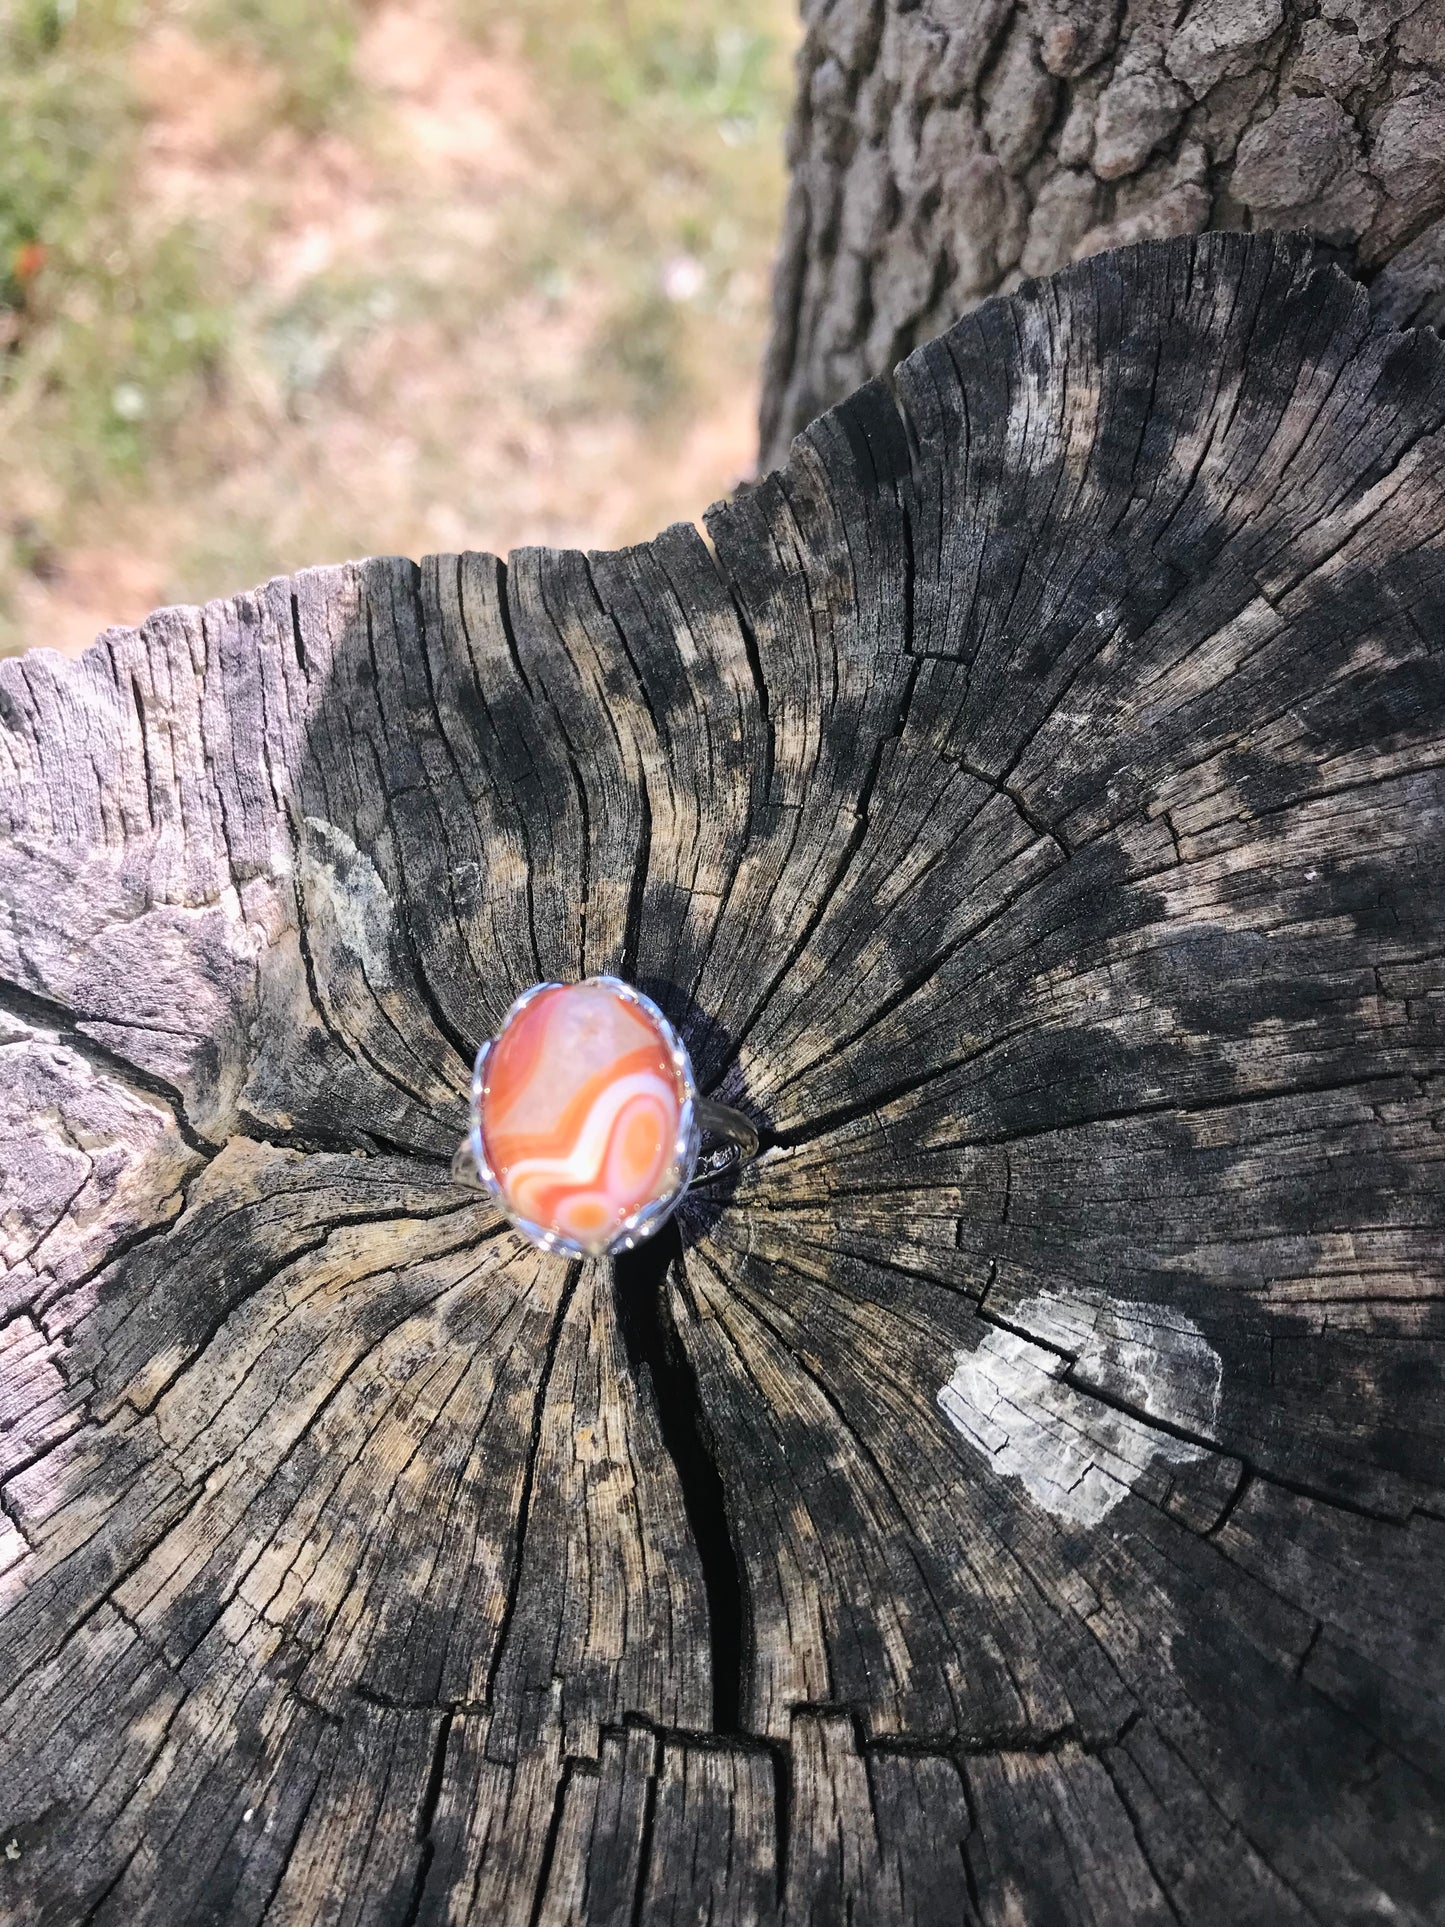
pixel 1023 1497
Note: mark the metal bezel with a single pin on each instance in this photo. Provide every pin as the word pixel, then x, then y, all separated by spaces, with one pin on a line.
pixel 653 1215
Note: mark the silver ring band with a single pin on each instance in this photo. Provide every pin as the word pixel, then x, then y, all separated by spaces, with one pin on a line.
pixel 735 1141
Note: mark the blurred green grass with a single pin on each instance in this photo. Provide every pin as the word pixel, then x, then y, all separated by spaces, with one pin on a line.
pixel 309 44
pixel 160 371
pixel 108 332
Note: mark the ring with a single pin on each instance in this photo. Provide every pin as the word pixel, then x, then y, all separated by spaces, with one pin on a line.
pixel 587 1126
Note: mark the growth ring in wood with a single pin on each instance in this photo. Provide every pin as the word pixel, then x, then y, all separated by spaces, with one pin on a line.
pixel 1021 1496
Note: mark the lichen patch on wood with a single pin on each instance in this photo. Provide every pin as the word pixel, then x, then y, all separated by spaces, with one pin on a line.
pixel 1018 1402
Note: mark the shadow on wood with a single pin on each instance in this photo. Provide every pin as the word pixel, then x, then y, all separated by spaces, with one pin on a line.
pixel 1022 1499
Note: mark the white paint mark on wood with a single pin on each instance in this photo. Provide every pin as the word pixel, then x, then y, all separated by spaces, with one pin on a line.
pixel 1077 1457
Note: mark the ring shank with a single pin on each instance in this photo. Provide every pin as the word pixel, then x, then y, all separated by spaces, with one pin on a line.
pixel 728 1128
pixel 721 1120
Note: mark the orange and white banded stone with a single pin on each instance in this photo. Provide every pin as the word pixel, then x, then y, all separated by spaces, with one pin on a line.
pixel 580 1112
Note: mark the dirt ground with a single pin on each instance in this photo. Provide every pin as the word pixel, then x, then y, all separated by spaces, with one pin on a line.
pixel 504 282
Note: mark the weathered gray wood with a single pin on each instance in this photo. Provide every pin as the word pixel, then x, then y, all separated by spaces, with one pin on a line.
pixel 1022 1497
pixel 942 152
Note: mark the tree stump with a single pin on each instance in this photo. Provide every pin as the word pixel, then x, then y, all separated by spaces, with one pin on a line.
pixel 1022 1498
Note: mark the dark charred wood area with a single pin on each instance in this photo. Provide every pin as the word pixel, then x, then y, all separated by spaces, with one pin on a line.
pixel 1020 1495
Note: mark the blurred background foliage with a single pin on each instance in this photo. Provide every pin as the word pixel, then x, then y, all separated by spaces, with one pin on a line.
pixel 283 281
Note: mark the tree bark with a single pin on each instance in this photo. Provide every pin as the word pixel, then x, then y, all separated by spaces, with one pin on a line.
pixel 945 151
pixel 1022 1498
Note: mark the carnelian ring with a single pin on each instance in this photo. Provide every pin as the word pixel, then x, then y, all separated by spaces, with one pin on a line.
pixel 584 1123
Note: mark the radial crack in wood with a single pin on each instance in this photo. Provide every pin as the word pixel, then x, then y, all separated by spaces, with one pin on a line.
pixel 1018 1494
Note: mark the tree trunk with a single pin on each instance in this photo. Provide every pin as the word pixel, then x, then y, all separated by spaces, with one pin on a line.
pixel 1022 1499
pixel 946 151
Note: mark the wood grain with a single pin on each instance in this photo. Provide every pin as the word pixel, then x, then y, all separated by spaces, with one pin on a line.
pixel 1022 1495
